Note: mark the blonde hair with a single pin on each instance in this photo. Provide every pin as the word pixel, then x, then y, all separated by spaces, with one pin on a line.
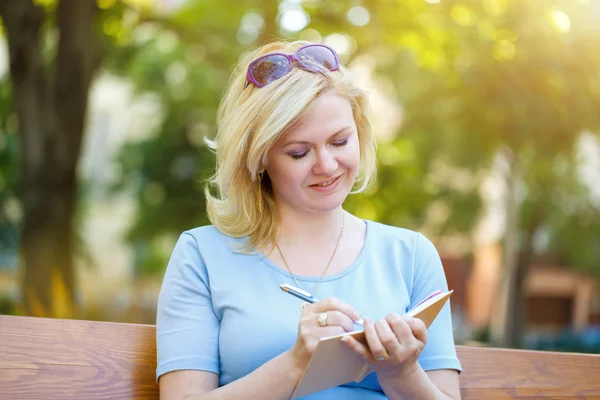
pixel 249 121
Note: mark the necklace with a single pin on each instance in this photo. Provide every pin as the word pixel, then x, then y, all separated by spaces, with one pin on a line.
pixel 328 264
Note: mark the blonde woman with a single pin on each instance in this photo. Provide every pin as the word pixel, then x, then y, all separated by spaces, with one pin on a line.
pixel 293 142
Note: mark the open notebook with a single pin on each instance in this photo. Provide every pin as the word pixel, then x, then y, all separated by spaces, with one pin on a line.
pixel 333 363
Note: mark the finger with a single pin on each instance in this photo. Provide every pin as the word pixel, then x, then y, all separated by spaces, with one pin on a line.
pixel 336 304
pixel 400 328
pixel 329 331
pixel 337 318
pixel 359 348
pixel 375 346
pixel 333 303
pixel 306 308
pixel 309 337
pixel 387 336
pixel 308 327
pixel 418 328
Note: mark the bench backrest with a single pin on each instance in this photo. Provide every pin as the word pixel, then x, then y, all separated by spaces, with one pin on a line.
pixel 50 359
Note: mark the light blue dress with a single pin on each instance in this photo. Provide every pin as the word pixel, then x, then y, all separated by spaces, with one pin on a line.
pixel 224 312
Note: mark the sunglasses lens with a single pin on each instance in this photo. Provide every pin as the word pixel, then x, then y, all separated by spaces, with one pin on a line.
pixel 269 68
pixel 315 58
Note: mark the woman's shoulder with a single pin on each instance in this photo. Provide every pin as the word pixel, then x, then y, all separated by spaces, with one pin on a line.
pixel 204 232
pixel 408 238
pixel 207 233
pixel 202 239
pixel 201 248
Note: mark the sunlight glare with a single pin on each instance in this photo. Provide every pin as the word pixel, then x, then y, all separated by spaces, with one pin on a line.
pixel 358 16
pixel 294 20
pixel 561 21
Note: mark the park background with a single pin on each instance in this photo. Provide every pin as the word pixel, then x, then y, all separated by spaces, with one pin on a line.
pixel 487 114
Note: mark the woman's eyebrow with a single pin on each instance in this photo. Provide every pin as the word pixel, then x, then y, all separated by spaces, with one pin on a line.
pixel 343 130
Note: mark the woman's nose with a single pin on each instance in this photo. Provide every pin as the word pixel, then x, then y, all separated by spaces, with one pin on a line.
pixel 326 163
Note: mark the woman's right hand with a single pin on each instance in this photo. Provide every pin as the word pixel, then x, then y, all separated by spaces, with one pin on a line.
pixel 338 317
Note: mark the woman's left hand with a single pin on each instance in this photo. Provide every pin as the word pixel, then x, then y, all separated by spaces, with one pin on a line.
pixel 394 344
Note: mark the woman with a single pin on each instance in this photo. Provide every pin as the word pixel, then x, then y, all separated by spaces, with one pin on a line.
pixel 293 141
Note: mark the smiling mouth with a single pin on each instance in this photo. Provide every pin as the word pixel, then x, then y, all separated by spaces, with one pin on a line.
pixel 327 183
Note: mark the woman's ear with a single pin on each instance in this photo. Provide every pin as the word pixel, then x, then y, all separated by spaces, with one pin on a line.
pixel 262 168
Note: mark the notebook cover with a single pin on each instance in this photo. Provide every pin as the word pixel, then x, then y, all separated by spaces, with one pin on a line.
pixel 333 363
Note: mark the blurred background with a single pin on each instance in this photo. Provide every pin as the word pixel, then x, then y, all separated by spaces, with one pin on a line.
pixel 487 114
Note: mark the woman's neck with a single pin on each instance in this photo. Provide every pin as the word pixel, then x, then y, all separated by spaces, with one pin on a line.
pixel 311 229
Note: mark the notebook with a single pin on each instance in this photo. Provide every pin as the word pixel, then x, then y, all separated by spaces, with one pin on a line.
pixel 333 363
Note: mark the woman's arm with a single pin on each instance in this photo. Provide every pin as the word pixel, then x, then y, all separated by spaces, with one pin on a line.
pixel 440 384
pixel 275 379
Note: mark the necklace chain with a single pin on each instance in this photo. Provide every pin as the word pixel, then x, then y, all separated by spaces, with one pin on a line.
pixel 328 264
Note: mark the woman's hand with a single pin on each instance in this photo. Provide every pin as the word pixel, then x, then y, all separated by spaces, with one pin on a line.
pixel 394 344
pixel 328 317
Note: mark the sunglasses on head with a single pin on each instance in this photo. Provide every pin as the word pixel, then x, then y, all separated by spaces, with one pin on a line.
pixel 270 67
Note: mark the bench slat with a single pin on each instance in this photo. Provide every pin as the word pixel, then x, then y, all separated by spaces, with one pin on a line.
pixel 58 382
pixel 504 373
pixel 50 359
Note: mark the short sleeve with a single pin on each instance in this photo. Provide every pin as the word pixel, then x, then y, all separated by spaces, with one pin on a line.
pixel 187 329
pixel 440 350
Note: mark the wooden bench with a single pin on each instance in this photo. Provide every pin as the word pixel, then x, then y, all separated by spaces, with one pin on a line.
pixel 48 359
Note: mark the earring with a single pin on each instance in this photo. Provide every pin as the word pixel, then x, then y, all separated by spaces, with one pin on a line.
pixel 259 195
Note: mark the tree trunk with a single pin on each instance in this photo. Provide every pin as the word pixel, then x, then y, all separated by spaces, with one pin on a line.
pixel 506 287
pixel 517 304
pixel 509 316
pixel 50 102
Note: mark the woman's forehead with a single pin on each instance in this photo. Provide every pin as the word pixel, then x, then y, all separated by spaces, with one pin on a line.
pixel 330 115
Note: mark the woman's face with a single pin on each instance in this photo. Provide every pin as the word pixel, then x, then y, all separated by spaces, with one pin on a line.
pixel 313 166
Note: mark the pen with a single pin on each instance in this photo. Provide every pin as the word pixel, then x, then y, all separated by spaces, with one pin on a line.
pixel 299 293
pixel 304 295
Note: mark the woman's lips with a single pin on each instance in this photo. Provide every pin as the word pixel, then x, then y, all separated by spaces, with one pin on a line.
pixel 327 185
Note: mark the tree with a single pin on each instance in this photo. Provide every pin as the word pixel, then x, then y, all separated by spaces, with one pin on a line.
pixel 481 76
pixel 167 171
pixel 55 50
pixel 475 78
pixel 9 211
pixel 50 85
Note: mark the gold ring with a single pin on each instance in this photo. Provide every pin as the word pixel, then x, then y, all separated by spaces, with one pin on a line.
pixel 322 319
pixel 303 305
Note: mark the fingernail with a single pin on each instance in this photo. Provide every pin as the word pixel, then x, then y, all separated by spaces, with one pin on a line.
pixel 356 315
pixel 367 320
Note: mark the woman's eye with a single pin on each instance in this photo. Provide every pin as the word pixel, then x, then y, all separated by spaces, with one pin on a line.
pixel 299 155
pixel 340 143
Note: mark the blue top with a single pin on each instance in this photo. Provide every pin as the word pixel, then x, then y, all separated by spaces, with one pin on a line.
pixel 224 312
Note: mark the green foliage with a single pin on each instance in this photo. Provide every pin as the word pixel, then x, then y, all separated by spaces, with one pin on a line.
pixel 480 75
pixel 472 77
pixel 569 231
pixel 167 171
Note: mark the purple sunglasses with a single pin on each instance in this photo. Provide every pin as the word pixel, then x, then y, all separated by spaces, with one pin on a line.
pixel 270 67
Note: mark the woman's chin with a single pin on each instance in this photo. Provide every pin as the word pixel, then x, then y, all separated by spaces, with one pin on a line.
pixel 329 204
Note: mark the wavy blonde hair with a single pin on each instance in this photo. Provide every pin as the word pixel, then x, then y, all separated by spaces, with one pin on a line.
pixel 250 120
